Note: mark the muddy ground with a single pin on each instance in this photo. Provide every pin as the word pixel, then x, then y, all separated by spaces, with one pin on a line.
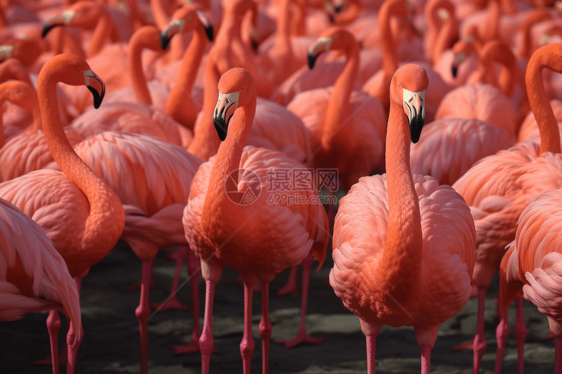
pixel 111 343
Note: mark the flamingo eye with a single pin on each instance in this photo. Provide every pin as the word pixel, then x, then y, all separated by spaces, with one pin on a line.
pixel 80 70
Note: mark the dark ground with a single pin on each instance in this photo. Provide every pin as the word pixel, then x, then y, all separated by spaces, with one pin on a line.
pixel 111 342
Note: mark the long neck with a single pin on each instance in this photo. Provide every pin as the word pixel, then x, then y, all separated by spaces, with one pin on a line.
pixel 161 17
pixel 432 30
pixel 135 68
pixel 401 261
pixel 548 127
pixel 390 56
pixel 179 105
pixel 283 39
pixel 217 203
pixel 445 37
pixel 106 219
pixel 102 32
pixel 510 72
pixel 339 107
pixel 492 23
pixel 486 71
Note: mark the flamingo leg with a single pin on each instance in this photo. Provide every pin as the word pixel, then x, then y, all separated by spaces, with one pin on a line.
pixel 371 353
pixel 247 345
pixel 193 270
pixel 143 313
pixel 425 358
pixel 136 286
pixel 206 342
pixel 302 337
pixel 72 347
pixel 265 326
pixel 479 339
pixel 291 286
pixel 53 325
pixel 502 333
pixel 172 302
pixel 558 355
pixel 520 335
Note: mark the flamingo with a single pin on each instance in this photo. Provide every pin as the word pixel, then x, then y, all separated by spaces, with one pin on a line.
pixel 393 254
pixel 499 187
pixel 33 275
pixel 258 239
pixel 531 268
pixel 79 212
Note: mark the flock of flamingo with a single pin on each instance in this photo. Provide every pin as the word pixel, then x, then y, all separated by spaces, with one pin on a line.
pixel 442 118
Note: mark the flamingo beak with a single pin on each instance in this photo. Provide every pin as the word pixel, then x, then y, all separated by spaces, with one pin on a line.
pixel 414 107
pixel 60 20
pixel 207 25
pixel 321 46
pixel 253 38
pixel 96 87
pixel 6 52
pixel 175 27
pixel 458 59
pixel 454 70
pixel 224 110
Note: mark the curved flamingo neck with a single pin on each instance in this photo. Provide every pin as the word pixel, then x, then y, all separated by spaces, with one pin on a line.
pixel 136 46
pixel 283 38
pixel 548 127
pixel 388 43
pixel 491 29
pixel 445 36
pixel 535 17
pixel 400 263
pixel 102 32
pixel 486 70
pixel 179 104
pixel 161 17
pixel 510 73
pixel 298 23
pixel 349 15
pixel 227 160
pixel 339 106
pixel 106 219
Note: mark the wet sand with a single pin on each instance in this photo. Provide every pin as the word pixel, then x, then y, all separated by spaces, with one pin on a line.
pixel 111 341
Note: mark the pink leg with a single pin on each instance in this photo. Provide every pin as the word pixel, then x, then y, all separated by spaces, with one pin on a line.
pixel 72 347
pixel 425 358
pixel 53 325
pixel 291 286
pixel 502 333
pixel 63 355
pixel 136 286
pixel 371 353
pixel 558 355
pixel 265 326
pixel 520 335
pixel 172 302
pixel 247 345
pixel 143 313
pixel 479 340
pixel 302 336
pixel 206 342
pixel 193 270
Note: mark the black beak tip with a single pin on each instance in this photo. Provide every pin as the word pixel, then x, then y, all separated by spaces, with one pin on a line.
pixel 221 127
pixel 255 45
pixel 164 40
pixel 97 97
pixel 46 29
pixel 454 71
pixel 332 19
pixel 210 33
pixel 416 127
pixel 311 61
pixel 337 9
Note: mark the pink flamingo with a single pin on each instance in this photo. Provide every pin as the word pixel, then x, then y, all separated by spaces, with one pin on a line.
pixel 225 232
pixel 499 187
pixel 393 255
pixel 531 268
pixel 79 212
pixel 33 275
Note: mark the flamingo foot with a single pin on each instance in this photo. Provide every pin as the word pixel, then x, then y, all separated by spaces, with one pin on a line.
pixel 172 304
pixel 301 338
pixel 466 346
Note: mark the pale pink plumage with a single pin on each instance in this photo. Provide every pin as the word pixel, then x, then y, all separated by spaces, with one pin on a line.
pixel 449 147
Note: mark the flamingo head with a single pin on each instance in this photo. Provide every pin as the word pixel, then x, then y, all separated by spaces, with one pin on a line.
pixel 335 38
pixel 186 19
pixel 83 14
pixel 407 90
pixel 462 50
pixel 20 94
pixel 235 90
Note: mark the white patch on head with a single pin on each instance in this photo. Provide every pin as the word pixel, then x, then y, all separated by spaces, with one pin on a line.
pixel 326 42
pixel 180 23
pixel 409 96
pixel 67 16
pixel 6 50
pixel 87 75
pixel 232 97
